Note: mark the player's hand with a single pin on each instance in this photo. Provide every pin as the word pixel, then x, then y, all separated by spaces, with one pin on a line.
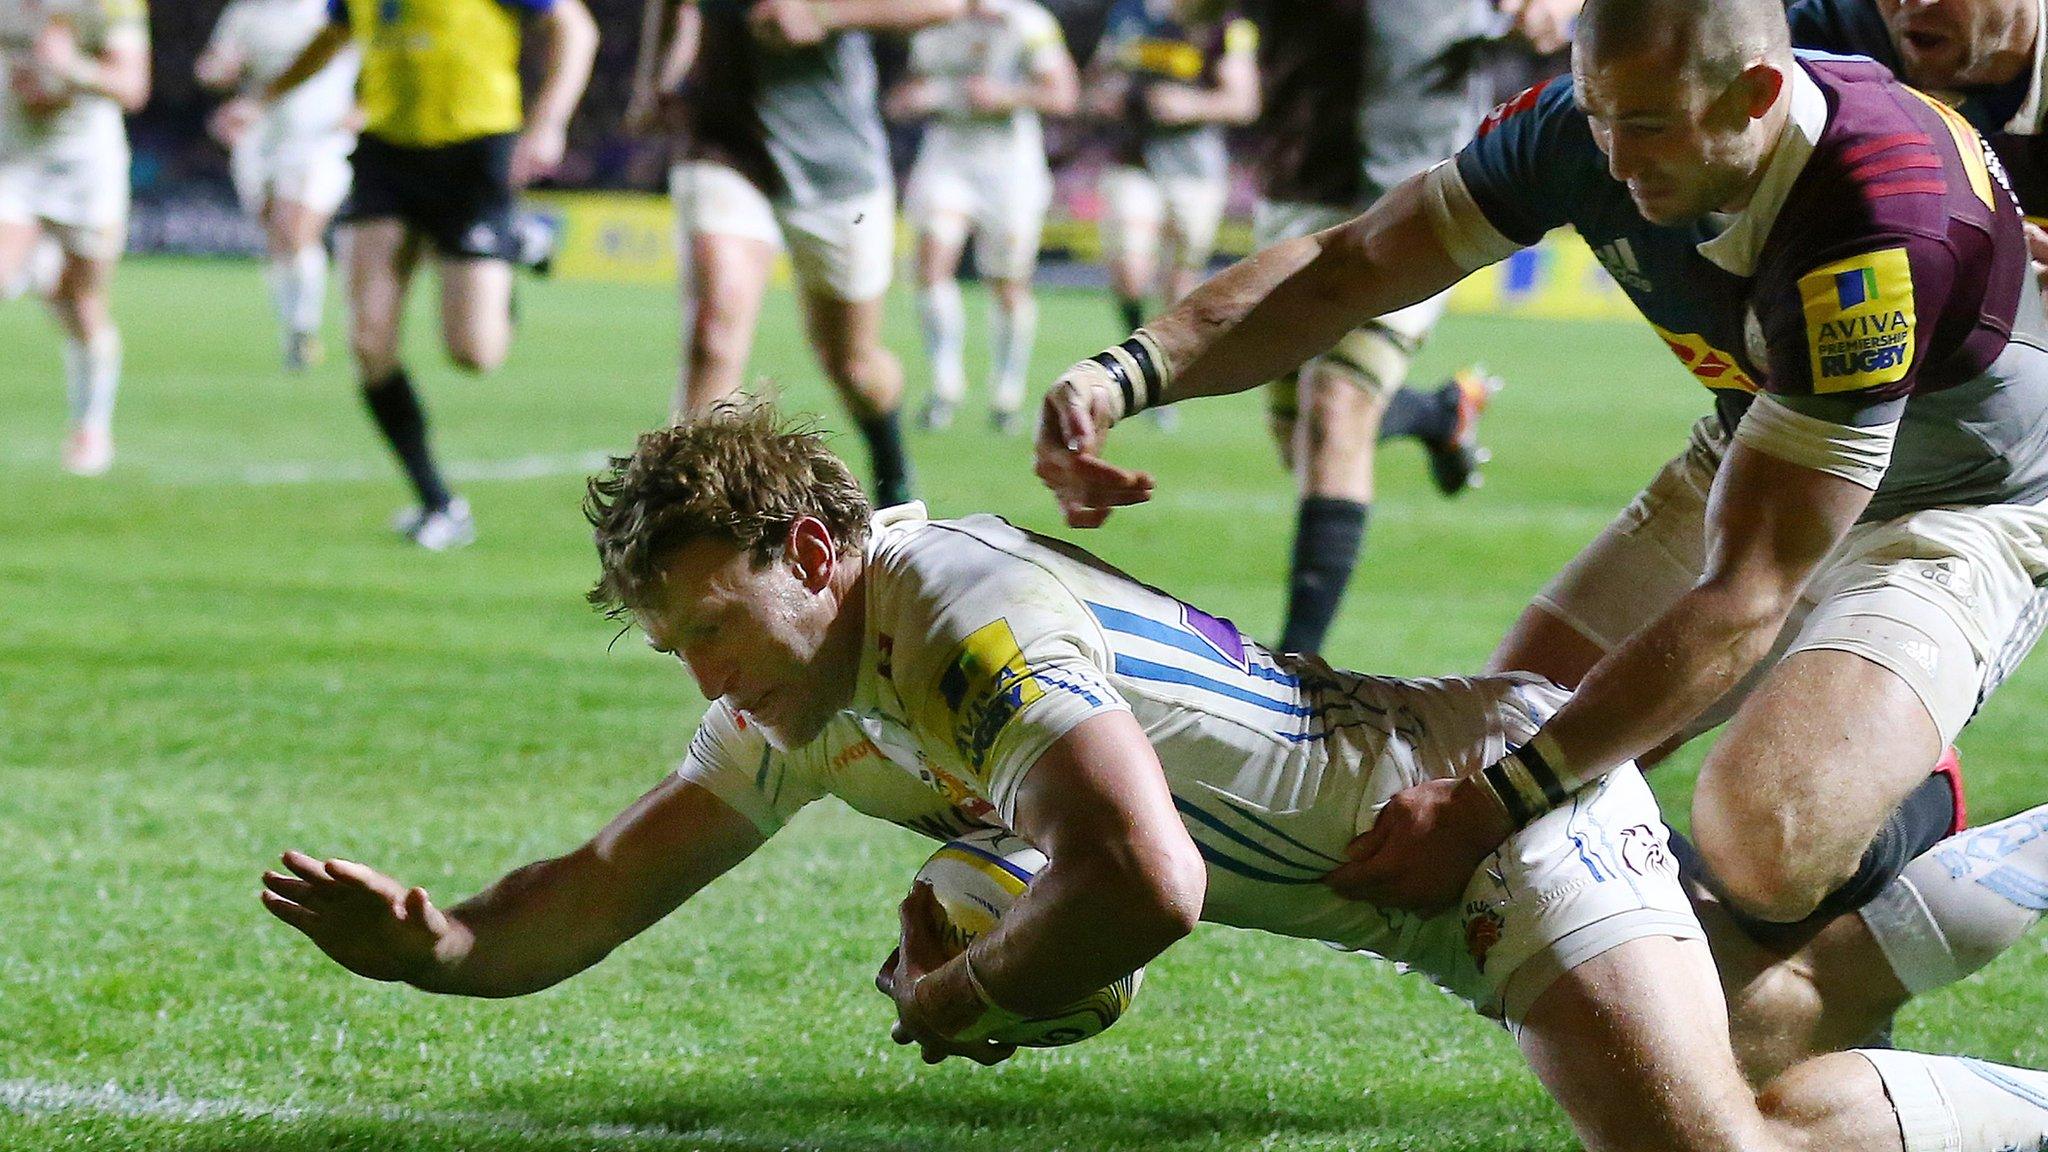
pixel 232 120
pixel 1545 24
pixel 538 152
pixel 920 1018
pixel 1072 422
pixel 784 25
pixel 2037 251
pixel 1423 847
pixel 365 921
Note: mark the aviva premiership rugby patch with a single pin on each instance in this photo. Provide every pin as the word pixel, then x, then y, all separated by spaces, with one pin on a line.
pixel 984 685
pixel 1859 320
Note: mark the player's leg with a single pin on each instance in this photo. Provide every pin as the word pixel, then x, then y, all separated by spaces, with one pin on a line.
pixel 1341 407
pixel 942 317
pixel 726 240
pixel 92 346
pixel 1911 1102
pixel 476 310
pixel 17 243
pixel 1952 911
pixel 298 276
pixel 1634 1046
pixel 1006 250
pixel 1794 811
pixel 1636 568
pixel 1133 213
pixel 843 254
pixel 382 255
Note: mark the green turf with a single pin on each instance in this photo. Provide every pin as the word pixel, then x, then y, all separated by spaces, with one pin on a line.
pixel 219 651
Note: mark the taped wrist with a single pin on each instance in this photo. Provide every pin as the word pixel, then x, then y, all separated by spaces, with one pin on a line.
pixel 1138 373
pixel 994 1017
pixel 1530 780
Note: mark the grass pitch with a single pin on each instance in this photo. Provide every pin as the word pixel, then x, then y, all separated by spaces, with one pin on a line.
pixel 218 652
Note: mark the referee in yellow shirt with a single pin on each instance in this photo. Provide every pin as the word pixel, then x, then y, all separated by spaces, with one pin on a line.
pixel 441 154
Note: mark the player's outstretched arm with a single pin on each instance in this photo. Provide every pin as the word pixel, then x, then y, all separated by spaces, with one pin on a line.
pixel 570 36
pixel 1254 322
pixel 536 926
pixel 1124 882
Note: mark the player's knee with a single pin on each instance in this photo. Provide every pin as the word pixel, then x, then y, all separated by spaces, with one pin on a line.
pixel 1805 1096
pixel 1765 876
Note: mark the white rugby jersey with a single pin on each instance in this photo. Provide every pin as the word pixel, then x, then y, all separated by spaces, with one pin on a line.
pixel 1005 41
pixel 986 643
pixel 269 35
pixel 89 124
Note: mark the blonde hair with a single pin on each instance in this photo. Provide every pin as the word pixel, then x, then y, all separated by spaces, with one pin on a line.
pixel 738 472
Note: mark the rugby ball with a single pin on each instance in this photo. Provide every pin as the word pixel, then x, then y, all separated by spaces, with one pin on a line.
pixel 976 878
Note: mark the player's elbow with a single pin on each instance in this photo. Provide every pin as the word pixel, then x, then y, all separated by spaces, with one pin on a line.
pixel 1745 610
pixel 1172 883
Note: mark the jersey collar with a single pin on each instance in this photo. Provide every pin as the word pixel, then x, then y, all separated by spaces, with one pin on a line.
pixel 1736 250
pixel 876 647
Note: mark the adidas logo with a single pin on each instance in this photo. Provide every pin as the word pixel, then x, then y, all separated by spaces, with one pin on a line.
pixel 1619 258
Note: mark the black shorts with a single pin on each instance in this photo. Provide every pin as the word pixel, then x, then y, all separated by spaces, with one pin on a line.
pixel 457 195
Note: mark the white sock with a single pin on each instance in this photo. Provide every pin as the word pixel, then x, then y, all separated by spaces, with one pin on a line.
pixel 945 335
pixel 92 374
pixel 1962 903
pixel 1956 1104
pixel 284 290
pixel 1011 334
pixel 309 280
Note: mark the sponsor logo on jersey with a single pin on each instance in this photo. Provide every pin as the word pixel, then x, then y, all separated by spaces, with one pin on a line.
pixel 1619 258
pixel 1859 320
pixel 1483 929
pixel 1709 365
pixel 985 684
pixel 1523 101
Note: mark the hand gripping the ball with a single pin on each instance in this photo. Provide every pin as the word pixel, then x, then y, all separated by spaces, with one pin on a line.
pixel 931 1011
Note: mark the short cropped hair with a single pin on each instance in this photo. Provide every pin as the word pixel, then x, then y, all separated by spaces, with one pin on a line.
pixel 740 473
pixel 1721 38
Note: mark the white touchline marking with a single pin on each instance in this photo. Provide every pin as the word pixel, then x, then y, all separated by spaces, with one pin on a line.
pixel 38 1097
pixel 176 472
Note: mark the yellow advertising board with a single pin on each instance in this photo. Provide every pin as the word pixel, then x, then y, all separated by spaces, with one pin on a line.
pixel 621 237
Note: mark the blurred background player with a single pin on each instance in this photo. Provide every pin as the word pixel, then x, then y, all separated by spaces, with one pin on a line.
pixel 984 80
pixel 1167 77
pixel 1339 128
pixel 290 163
pixel 779 142
pixel 70 69
pixel 441 154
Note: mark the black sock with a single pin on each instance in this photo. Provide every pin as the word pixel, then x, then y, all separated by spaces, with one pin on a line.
pixel 1430 417
pixel 1327 538
pixel 891 466
pixel 1920 822
pixel 1133 310
pixel 396 409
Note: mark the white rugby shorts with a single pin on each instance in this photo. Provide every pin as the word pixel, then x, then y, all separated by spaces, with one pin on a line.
pixel 1138 207
pixel 1578 881
pixel 80 197
pixel 1003 205
pixel 1945 598
pixel 312 171
pixel 843 248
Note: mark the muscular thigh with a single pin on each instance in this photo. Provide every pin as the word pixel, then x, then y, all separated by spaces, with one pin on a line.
pixel 1633 1044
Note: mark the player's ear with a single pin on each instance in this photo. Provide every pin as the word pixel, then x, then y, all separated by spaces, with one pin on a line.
pixel 811 552
pixel 1760 84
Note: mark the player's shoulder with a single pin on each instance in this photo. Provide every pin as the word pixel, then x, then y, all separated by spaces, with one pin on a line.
pixel 1032 20
pixel 1891 160
pixel 1539 104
